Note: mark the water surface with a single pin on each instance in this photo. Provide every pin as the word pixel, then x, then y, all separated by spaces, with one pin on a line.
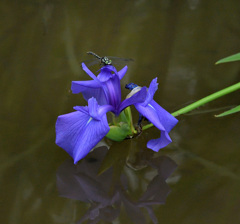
pixel 42 43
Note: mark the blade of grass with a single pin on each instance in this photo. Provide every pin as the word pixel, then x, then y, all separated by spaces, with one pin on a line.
pixel 235 57
pixel 228 112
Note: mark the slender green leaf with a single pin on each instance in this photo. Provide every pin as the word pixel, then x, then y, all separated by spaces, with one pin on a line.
pixel 231 111
pixel 235 57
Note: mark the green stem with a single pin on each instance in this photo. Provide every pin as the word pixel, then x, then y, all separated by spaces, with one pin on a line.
pixel 207 99
pixel 203 101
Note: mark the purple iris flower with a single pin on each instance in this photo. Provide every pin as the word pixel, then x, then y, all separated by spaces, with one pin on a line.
pixel 158 116
pixel 105 88
pixel 78 132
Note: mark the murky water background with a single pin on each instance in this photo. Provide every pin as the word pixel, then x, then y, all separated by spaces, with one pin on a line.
pixel 42 43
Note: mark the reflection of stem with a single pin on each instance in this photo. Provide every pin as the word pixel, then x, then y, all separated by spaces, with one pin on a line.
pixel 211 165
pixel 202 101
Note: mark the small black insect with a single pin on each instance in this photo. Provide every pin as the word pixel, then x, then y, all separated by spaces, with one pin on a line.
pixel 103 60
pixel 106 60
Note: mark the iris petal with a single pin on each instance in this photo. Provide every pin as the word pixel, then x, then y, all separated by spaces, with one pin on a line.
pixel 165 118
pixel 151 90
pixel 136 98
pixel 122 72
pixel 105 87
pixel 93 108
pixel 159 143
pixel 86 69
pixel 112 89
pixel 161 119
pixel 107 72
pixel 83 109
pixel 90 89
pixel 78 132
pixel 151 114
pixel 81 86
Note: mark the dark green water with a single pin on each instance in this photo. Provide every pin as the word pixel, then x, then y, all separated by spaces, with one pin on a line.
pixel 42 43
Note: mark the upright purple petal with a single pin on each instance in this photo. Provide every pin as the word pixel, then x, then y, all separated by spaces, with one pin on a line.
pixel 151 91
pixel 106 72
pixel 112 89
pixel 77 132
pixel 122 72
pixel 93 109
pixel 86 69
pixel 105 87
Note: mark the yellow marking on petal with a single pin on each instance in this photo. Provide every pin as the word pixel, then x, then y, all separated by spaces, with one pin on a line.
pixel 151 106
pixel 89 120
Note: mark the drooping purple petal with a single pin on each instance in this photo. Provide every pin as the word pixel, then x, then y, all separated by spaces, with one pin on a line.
pixel 165 118
pixel 159 143
pixel 151 114
pixel 161 119
pixel 77 132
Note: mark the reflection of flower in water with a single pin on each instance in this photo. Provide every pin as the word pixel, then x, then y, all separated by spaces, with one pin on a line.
pixel 106 192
